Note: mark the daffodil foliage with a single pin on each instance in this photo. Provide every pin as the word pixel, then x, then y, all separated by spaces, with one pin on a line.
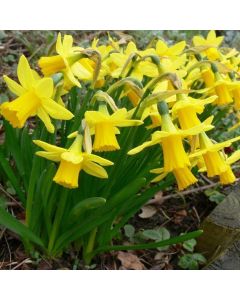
pixel 95 132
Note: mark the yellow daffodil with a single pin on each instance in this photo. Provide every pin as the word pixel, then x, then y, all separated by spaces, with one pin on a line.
pixel 187 108
pixel 228 176
pixel 34 98
pixel 212 41
pixel 171 139
pixel 214 161
pixel 222 87
pixel 105 127
pixel 72 161
pixel 162 48
pixel 69 61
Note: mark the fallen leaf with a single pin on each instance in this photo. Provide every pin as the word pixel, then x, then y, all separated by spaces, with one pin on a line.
pixel 130 261
pixel 158 199
pixel 159 256
pixel 147 212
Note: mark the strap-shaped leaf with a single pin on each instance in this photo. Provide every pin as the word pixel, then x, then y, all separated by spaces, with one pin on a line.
pixel 7 220
pixel 11 176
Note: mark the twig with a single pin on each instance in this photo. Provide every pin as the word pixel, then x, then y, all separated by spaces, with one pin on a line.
pixel 192 191
pixel 27 260
pixel 10 196
pixel 9 251
pixel 164 214
pixel 196 214
pixel 206 179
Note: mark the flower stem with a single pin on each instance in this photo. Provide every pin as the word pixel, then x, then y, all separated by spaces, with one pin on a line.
pixel 58 218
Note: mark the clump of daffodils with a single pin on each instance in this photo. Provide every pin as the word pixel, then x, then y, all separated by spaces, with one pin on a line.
pixel 162 89
pixel 94 132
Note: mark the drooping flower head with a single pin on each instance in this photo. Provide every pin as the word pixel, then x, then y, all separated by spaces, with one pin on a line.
pixel 69 61
pixel 105 127
pixel 212 42
pixel 72 161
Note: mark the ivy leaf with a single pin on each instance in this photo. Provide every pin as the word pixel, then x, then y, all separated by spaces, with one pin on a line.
pixel 129 231
pixel 189 245
pixel 191 261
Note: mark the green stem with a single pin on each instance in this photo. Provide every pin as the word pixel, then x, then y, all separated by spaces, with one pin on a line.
pixel 31 189
pixel 58 218
pixel 167 242
pixel 91 241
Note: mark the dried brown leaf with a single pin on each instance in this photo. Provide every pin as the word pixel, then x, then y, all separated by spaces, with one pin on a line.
pixel 158 199
pixel 147 212
pixel 130 261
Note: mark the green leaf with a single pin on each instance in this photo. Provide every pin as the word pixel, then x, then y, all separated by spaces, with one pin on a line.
pixel 217 197
pixel 7 220
pixel 188 262
pixel 168 242
pixel 159 234
pixel 152 234
pixel 3 202
pixel 200 258
pixel 11 176
pixel 129 231
pixel 189 245
pixel 87 204
pixel 191 261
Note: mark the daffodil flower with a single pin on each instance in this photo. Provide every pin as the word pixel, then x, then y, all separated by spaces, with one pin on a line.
pixel 212 41
pixel 187 108
pixel 106 126
pixel 34 98
pixel 68 61
pixel 171 139
pixel 214 161
pixel 162 48
pixel 72 161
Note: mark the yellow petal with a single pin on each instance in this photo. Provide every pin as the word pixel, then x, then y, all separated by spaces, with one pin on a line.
pixel 48 147
pixel 234 157
pixel 53 156
pixel 161 48
pixel 157 170
pixel 159 177
pixel 67 43
pixel 75 158
pixel 68 72
pixel 59 46
pixel 177 49
pixel 44 88
pixel 81 72
pixel 13 86
pixel 141 147
pixel 95 170
pixel 24 73
pixel 197 129
pixel 46 119
pixel 198 41
pixel 211 36
pixel 98 159
pixel 131 48
pixel 56 110
pixel 94 117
